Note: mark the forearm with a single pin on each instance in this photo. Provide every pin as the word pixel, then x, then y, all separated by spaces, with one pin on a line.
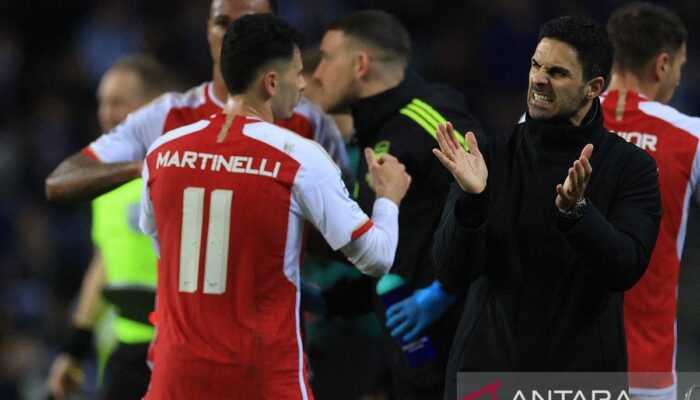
pixel 617 257
pixel 80 178
pixel 90 297
pixel 373 253
pixel 460 246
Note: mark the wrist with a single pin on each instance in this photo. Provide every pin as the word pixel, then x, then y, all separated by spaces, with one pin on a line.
pixel 78 343
pixel 576 211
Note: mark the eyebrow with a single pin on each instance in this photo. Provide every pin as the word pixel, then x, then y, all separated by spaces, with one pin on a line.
pixel 555 69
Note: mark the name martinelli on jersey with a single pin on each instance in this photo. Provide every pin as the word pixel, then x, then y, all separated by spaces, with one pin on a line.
pixel 217 162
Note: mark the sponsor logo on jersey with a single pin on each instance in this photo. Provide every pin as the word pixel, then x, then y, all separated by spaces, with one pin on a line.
pixel 645 141
pixel 218 162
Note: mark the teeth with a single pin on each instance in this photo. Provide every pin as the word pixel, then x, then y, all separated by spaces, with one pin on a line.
pixel 541 97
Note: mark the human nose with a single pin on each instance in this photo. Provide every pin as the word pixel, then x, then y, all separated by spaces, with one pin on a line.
pixel 538 77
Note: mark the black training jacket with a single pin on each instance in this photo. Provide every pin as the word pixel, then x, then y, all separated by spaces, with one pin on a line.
pixel 402 122
pixel 545 294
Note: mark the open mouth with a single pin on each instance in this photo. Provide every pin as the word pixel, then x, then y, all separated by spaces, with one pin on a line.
pixel 541 98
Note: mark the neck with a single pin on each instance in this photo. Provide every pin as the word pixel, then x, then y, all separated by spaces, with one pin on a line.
pixel 628 81
pixel 220 90
pixel 577 118
pixel 380 84
pixel 249 106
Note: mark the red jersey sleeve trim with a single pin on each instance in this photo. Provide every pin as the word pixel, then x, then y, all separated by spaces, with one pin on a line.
pixel 362 229
pixel 88 152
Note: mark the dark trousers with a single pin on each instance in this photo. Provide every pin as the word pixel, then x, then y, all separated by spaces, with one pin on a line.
pixel 127 375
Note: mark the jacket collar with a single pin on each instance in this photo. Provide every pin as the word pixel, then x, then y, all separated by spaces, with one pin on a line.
pixel 563 136
pixel 370 113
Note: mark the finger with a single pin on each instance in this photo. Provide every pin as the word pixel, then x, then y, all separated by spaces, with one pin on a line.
pixel 579 172
pixel 453 138
pixel 395 309
pixel 395 320
pixel 587 151
pixel 442 140
pixel 448 135
pixel 413 333
pixel 449 164
pixel 386 157
pixel 586 167
pixel 402 329
pixel 472 143
pixel 369 156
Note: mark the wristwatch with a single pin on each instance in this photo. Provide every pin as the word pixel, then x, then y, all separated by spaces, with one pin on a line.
pixel 576 212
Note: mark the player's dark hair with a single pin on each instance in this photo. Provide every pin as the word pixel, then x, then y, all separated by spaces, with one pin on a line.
pixel 251 42
pixel 641 31
pixel 589 40
pixel 377 28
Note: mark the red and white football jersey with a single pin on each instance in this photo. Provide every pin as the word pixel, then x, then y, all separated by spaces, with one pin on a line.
pixel 130 140
pixel 650 306
pixel 226 202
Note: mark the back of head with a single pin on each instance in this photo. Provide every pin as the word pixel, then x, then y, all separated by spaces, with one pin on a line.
pixel 641 31
pixel 253 42
pixel 589 39
pixel 378 29
pixel 154 78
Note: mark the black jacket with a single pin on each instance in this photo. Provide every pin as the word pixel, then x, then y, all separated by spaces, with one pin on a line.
pixel 544 294
pixel 380 124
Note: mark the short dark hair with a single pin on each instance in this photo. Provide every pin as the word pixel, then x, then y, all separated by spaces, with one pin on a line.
pixel 641 31
pixel 155 78
pixel 589 39
pixel 377 28
pixel 250 43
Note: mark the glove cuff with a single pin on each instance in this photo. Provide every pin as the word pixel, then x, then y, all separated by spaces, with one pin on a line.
pixel 438 294
pixel 78 344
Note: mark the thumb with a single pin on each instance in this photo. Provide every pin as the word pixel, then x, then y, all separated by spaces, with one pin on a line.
pixel 472 144
pixel 371 161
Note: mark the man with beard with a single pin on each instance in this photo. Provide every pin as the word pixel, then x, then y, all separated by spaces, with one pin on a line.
pixel 548 226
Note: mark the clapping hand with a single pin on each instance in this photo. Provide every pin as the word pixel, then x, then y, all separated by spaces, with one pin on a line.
pixel 468 168
pixel 574 187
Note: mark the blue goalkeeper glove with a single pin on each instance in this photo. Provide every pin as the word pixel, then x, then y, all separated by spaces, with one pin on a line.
pixel 410 317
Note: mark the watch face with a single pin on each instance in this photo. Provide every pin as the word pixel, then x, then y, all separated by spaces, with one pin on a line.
pixel 577 211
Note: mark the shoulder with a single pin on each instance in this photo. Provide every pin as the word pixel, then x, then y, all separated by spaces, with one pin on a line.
pixel 671 116
pixel 306 152
pixel 178 133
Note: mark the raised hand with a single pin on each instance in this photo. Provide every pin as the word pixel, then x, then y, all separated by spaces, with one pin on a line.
pixel 468 168
pixel 388 177
pixel 574 187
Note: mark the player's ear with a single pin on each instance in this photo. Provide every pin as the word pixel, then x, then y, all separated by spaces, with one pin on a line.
pixel 269 82
pixel 362 65
pixel 661 65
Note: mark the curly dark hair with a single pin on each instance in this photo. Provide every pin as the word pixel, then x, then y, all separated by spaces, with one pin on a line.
pixel 641 31
pixel 251 42
pixel 589 39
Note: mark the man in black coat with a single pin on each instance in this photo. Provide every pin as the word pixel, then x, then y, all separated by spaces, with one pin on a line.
pixel 364 56
pixel 548 226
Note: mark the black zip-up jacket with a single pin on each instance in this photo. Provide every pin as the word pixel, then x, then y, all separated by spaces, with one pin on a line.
pixel 544 293
pixel 380 124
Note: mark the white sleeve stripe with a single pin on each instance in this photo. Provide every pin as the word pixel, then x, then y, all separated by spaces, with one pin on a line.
pixel 671 116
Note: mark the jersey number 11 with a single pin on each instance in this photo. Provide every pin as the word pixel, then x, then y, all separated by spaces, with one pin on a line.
pixel 216 262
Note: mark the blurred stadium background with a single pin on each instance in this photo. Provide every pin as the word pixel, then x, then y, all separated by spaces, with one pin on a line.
pixel 52 54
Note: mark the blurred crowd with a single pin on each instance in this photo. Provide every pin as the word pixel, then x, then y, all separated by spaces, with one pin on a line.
pixel 52 54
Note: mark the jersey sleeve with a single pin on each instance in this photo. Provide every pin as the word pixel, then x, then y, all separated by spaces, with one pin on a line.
pixel 129 140
pixel 323 200
pixel 147 221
